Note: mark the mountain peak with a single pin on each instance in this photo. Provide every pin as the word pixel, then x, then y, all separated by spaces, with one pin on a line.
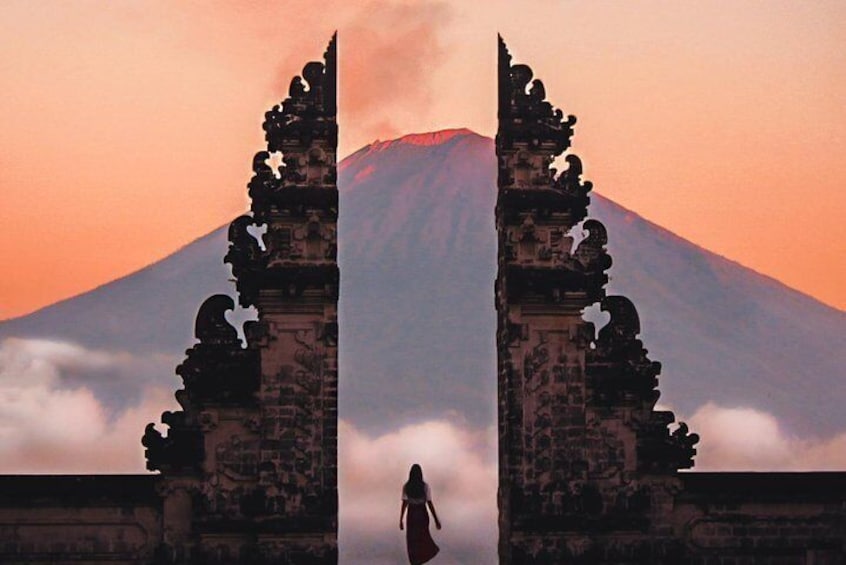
pixel 419 140
pixel 430 138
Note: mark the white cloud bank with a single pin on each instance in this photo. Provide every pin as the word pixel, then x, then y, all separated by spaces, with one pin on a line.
pixel 746 439
pixel 460 467
pixel 48 425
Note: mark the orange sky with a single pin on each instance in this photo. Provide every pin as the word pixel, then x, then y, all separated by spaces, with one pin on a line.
pixel 128 128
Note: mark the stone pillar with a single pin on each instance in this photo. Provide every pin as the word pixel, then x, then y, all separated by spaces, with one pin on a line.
pixel 253 453
pixel 580 447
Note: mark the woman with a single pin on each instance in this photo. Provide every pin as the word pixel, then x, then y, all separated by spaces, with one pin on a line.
pixel 415 497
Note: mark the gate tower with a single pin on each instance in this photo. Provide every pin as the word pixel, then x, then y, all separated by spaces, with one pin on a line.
pixel 587 466
pixel 249 465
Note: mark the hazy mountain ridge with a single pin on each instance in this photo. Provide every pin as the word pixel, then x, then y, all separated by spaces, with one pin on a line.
pixel 148 310
pixel 726 333
pixel 418 258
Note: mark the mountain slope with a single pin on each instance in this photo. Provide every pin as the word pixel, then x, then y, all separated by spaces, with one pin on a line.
pixel 149 310
pixel 725 333
pixel 418 259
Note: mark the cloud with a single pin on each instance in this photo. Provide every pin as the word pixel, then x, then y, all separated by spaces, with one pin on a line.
pixel 46 427
pixel 745 439
pixel 117 379
pixel 49 426
pixel 390 51
pixel 459 465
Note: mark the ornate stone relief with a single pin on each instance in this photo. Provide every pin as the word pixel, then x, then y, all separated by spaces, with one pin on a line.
pixel 254 447
pixel 581 446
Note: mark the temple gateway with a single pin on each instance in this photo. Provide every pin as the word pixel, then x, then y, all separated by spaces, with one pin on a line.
pixel 589 470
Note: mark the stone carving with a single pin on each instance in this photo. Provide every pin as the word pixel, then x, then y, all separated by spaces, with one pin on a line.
pixel 244 249
pixel 180 452
pixel 316 240
pixel 570 181
pixel 531 120
pixel 312 239
pixel 542 246
pixel 582 449
pixel 217 369
pixel 264 183
pixel 534 132
pixel 254 446
pixel 211 327
pixel 624 324
pixel 246 258
pixel 237 458
pixel 620 369
pixel 591 253
pixel 297 121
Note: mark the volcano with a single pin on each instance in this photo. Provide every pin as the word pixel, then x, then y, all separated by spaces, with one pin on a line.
pixel 418 259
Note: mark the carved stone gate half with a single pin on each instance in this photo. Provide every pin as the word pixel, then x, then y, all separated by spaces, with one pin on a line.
pixel 588 469
pixel 249 465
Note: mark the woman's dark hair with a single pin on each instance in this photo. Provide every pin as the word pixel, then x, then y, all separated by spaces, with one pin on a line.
pixel 415 487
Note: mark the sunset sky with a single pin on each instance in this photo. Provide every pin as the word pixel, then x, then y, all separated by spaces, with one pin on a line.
pixel 128 128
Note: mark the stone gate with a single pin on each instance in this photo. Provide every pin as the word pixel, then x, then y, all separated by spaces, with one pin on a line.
pixel 589 470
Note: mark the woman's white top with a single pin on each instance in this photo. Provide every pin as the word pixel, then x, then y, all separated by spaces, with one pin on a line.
pixel 410 500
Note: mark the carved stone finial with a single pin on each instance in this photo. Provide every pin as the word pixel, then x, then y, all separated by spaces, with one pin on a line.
pixel 241 242
pixel 246 258
pixel 597 234
pixel 526 118
pixel 570 180
pixel 684 442
pixel 180 452
pixel 624 324
pixel 263 184
pixel 244 254
pixel 309 111
pixel 531 134
pixel 591 252
pixel 260 166
pixel 211 325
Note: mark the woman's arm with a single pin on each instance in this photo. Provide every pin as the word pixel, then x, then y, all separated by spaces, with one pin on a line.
pixel 402 511
pixel 434 514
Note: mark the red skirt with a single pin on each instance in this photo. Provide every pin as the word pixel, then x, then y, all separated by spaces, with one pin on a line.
pixel 421 546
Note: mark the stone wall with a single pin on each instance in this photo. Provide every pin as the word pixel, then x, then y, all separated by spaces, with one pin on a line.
pixel 80 519
pixel 762 518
